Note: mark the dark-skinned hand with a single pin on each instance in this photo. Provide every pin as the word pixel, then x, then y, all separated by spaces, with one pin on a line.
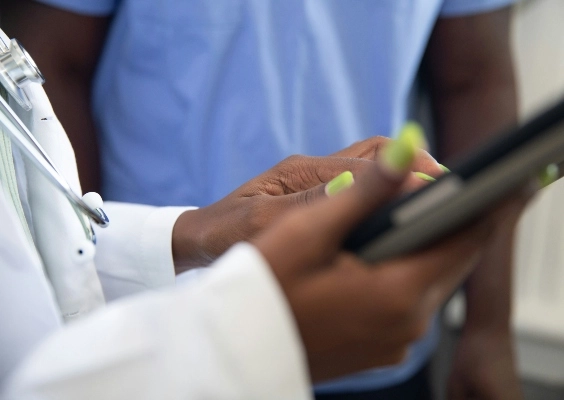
pixel 200 236
pixel 351 315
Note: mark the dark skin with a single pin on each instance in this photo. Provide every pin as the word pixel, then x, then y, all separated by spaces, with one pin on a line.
pixel 474 97
pixel 296 181
pixel 472 82
pixel 332 293
pixel 68 68
pixel 473 92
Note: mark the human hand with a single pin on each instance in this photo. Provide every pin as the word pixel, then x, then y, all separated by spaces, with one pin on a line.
pixel 353 316
pixel 200 236
pixel 423 162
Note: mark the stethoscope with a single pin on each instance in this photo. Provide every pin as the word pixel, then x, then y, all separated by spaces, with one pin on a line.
pixel 17 69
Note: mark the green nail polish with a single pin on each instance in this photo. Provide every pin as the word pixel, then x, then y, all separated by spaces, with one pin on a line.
pixel 549 175
pixel 445 169
pixel 339 183
pixel 425 177
pixel 399 154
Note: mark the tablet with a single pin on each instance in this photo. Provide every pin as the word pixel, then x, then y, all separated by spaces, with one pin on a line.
pixel 457 198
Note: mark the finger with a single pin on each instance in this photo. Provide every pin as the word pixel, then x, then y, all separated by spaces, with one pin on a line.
pixel 311 236
pixel 324 226
pixel 306 176
pixel 367 149
pixel 415 182
pixel 299 199
pixel 310 196
pixel 375 186
pixel 278 205
pixel 426 163
pixel 299 173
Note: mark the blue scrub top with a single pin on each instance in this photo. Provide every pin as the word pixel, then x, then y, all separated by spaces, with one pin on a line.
pixel 195 97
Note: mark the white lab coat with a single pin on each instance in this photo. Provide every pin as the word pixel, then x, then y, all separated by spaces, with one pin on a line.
pixel 228 335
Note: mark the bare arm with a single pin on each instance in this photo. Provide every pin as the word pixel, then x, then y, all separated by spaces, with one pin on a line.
pixel 472 80
pixel 66 47
pixel 474 97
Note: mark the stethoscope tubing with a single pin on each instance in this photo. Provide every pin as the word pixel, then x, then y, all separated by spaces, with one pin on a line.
pixel 24 140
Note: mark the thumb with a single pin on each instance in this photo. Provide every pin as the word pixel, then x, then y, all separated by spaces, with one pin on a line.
pixel 374 186
pixel 311 236
pixel 372 189
pixel 307 197
pixel 303 198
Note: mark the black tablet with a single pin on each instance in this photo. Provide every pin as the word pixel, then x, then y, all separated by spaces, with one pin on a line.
pixel 458 197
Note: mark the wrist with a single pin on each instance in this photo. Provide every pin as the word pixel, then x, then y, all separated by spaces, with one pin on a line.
pixel 188 241
pixel 488 293
pixel 488 339
pixel 489 323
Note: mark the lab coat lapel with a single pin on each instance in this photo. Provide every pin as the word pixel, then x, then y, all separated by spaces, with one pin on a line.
pixel 67 254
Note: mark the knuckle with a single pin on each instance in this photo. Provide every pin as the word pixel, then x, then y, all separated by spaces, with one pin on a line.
pixel 297 173
pixel 380 141
pixel 367 148
pixel 295 159
pixel 307 197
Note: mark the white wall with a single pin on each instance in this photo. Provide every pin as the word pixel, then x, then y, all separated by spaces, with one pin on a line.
pixel 539 284
pixel 538 41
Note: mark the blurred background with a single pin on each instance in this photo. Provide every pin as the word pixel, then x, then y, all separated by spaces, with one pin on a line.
pixel 538 41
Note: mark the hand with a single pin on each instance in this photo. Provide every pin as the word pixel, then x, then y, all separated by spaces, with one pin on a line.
pixel 353 316
pixel 369 149
pixel 200 236
pixel 484 368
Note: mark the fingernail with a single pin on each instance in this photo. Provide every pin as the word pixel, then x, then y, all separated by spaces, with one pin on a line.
pixel 339 183
pixel 425 177
pixel 445 169
pixel 548 175
pixel 399 154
